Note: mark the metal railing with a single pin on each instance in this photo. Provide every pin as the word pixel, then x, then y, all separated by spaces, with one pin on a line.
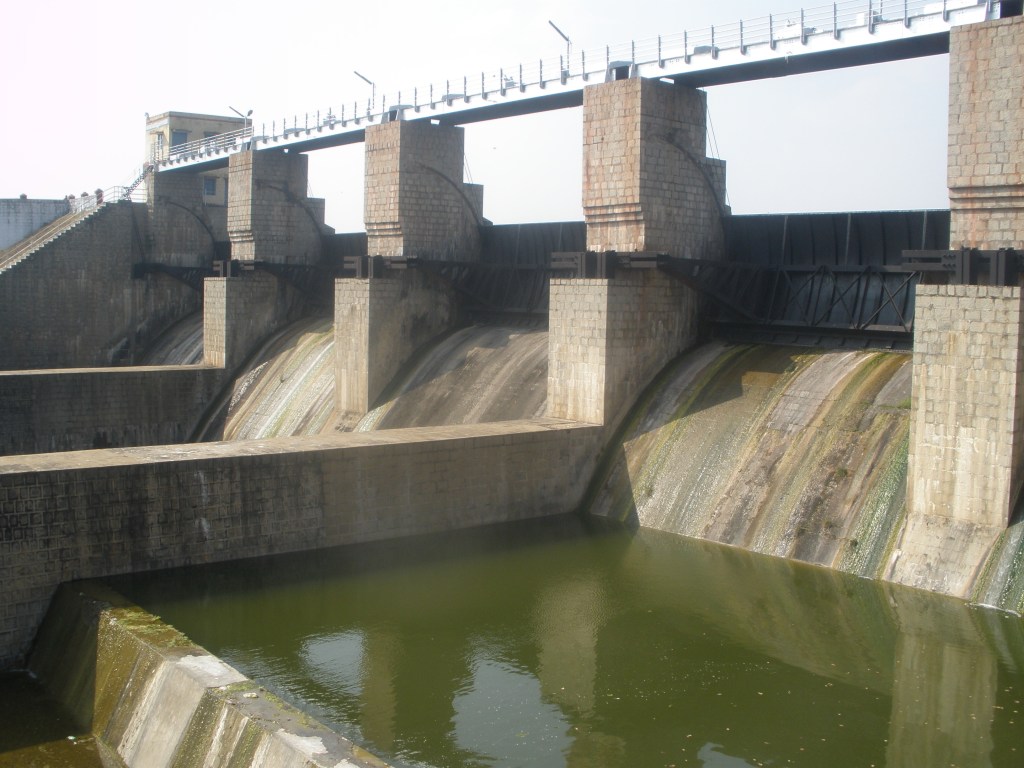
pixel 79 208
pixel 817 22
pixel 109 195
pixel 210 146
pixel 41 237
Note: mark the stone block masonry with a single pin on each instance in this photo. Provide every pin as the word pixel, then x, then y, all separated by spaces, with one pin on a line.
pixel 964 470
pixel 986 134
pixel 647 185
pixel 74 303
pixel 416 203
pixel 608 338
pixel 239 312
pixel 968 415
pixel 183 230
pixel 76 409
pixel 97 513
pixel 379 323
pixel 270 218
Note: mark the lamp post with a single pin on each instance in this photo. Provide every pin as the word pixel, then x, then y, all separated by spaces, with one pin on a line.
pixel 373 90
pixel 568 45
pixel 245 121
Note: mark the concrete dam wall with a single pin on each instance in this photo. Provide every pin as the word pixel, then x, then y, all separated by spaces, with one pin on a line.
pixel 90 514
pixel 794 454
pixel 477 374
pixel 890 467
pixel 783 451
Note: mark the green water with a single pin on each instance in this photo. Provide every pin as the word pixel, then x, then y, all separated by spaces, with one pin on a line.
pixel 37 732
pixel 555 644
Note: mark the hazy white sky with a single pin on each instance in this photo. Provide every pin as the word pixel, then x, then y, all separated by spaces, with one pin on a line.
pixel 80 76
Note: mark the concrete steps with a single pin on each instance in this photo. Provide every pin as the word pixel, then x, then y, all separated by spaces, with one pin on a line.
pixel 42 237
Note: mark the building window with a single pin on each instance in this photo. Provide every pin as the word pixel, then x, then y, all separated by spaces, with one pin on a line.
pixel 209 186
pixel 178 138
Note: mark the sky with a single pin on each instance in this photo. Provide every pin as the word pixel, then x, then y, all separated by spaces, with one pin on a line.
pixel 79 78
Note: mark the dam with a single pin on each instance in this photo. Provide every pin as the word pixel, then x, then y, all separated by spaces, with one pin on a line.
pixel 300 418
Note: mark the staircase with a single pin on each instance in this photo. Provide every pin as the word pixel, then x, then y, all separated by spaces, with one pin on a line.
pixel 128 191
pixel 21 251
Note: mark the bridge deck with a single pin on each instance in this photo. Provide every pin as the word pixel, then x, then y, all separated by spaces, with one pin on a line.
pixel 844 34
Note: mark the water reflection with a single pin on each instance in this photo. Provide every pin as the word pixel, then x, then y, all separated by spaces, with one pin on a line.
pixel 548 645
pixel 504 719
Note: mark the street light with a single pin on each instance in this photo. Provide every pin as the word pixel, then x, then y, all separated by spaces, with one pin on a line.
pixel 245 120
pixel 568 44
pixel 373 89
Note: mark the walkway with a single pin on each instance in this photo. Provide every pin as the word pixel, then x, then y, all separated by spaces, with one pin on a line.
pixel 831 36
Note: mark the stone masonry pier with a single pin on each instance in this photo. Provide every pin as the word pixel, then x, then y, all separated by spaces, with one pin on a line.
pixel 967 431
pixel 91 514
pixel 986 134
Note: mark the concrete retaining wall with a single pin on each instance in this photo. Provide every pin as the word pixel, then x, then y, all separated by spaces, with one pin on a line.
pixel 95 513
pixel 20 218
pixel 76 409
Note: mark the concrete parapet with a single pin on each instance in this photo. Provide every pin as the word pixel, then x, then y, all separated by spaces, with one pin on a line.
pixel 20 218
pixel 416 203
pixel 239 312
pixel 986 134
pixel 379 323
pixel 609 337
pixel 647 185
pixel 269 217
pixel 97 513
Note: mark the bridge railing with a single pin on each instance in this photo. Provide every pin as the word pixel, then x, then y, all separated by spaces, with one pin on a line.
pixel 108 195
pixel 816 22
pixel 210 146
pixel 831 19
